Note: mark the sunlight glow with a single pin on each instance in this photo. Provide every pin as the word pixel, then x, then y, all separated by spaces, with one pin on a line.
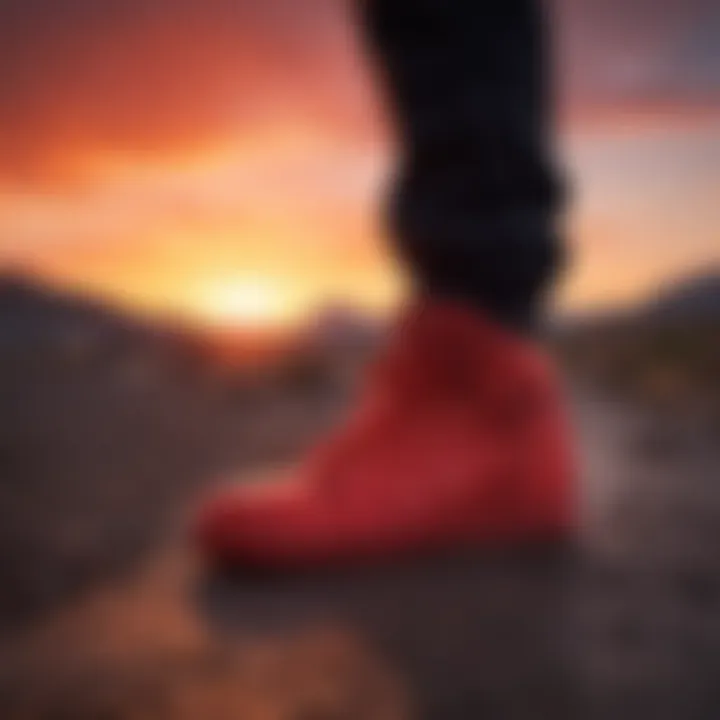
pixel 245 302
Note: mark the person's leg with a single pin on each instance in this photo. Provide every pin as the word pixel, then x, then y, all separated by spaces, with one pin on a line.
pixel 476 196
pixel 461 437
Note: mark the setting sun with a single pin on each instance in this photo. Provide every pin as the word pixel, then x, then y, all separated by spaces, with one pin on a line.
pixel 251 302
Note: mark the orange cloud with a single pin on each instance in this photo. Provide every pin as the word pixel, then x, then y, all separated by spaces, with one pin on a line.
pixel 149 150
pixel 171 76
pixel 83 79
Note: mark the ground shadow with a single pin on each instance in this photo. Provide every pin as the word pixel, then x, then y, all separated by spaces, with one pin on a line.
pixel 477 635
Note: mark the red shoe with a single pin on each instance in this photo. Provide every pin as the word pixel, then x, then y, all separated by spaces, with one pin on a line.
pixel 461 440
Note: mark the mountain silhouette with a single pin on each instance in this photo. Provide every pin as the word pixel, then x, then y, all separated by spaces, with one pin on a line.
pixel 695 297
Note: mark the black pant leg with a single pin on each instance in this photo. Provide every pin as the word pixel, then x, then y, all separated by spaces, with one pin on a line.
pixel 476 197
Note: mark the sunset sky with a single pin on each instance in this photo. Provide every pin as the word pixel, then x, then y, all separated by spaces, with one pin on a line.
pixel 224 159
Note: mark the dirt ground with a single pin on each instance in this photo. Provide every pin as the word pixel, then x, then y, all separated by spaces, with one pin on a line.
pixel 105 612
